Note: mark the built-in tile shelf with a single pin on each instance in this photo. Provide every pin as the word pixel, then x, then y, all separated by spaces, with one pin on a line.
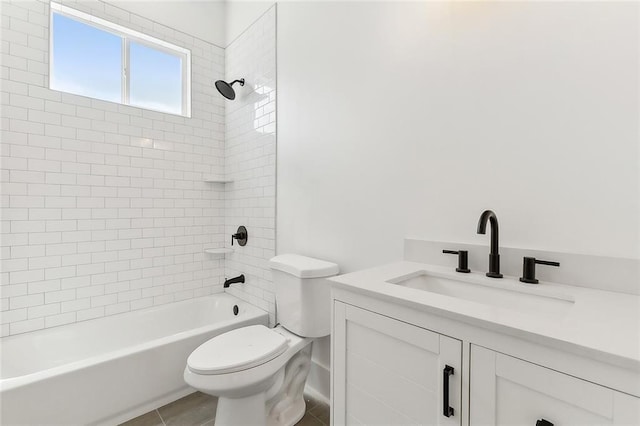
pixel 219 251
pixel 213 179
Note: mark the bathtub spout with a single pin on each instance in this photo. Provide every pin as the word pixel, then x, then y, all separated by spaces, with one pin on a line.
pixel 238 279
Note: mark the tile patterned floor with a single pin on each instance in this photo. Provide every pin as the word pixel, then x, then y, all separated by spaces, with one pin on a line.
pixel 198 409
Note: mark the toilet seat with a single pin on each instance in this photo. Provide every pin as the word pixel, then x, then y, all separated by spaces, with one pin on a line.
pixel 237 350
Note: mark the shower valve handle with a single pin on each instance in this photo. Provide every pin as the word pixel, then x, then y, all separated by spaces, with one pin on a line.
pixel 241 236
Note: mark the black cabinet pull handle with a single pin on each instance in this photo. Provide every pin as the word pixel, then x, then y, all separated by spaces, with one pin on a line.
pixel 446 410
pixel 543 422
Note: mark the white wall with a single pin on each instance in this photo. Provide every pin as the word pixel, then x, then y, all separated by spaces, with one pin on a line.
pixel 409 119
pixel 250 160
pixel 104 207
pixel 204 19
pixel 241 14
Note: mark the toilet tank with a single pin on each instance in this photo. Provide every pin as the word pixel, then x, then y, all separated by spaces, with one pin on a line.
pixel 303 297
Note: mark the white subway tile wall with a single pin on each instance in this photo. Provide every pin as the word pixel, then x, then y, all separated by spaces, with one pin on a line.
pixel 104 208
pixel 250 160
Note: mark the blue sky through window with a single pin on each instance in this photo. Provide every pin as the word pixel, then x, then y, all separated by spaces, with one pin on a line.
pixel 155 79
pixel 88 61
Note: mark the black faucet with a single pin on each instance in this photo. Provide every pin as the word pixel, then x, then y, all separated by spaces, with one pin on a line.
pixel 238 279
pixel 494 256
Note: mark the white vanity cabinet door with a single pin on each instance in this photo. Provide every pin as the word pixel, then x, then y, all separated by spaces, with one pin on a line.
pixel 389 372
pixel 509 391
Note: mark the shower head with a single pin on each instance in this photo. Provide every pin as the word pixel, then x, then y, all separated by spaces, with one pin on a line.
pixel 226 89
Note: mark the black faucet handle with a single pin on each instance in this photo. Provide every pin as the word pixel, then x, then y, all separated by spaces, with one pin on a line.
pixel 529 269
pixel 241 236
pixel 463 260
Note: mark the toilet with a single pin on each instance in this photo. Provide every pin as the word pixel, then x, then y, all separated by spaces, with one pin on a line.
pixel 258 373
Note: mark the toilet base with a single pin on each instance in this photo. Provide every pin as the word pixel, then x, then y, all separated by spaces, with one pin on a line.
pixel 249 411
pixel 287 406
pixel 289 416
pixel 281 405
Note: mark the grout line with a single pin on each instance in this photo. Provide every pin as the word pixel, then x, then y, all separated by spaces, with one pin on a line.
pixel 229 43
pixel 311 415
pixel 160 415
pixel 316 418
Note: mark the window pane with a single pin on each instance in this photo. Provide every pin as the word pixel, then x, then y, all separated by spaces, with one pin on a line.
pixel 86 60
pixel 155 79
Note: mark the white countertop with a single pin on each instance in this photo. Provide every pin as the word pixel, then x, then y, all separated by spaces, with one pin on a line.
pixel 601 324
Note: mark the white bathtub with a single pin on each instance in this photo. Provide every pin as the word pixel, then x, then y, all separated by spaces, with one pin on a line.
pixel 111 369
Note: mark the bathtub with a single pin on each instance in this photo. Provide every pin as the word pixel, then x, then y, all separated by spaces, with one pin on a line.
pixel 112 369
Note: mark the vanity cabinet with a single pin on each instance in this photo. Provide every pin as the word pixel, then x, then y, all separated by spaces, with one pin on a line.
pixel 509 391
pixel 390 363
pixel 390 372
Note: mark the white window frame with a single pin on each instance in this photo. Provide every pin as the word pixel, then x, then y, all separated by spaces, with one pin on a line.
pixel 127 36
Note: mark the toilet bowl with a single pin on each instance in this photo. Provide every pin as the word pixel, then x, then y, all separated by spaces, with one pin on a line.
pixel 258 373
pixel 252 379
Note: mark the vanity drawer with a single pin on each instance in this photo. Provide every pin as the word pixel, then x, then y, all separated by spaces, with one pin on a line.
pixel 509 391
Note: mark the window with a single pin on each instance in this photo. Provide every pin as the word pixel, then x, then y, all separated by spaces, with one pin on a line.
pixel 95 58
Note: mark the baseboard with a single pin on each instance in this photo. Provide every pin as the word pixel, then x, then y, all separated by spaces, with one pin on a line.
pixel 319 382
pixel 145 408
pixel 318 386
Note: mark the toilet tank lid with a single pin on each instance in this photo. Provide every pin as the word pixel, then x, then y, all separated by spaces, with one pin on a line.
pixel 303 267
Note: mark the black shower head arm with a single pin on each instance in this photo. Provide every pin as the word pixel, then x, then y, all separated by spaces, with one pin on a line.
pixel 241 81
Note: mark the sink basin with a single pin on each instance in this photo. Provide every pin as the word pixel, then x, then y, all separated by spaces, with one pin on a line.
pixel 505 293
